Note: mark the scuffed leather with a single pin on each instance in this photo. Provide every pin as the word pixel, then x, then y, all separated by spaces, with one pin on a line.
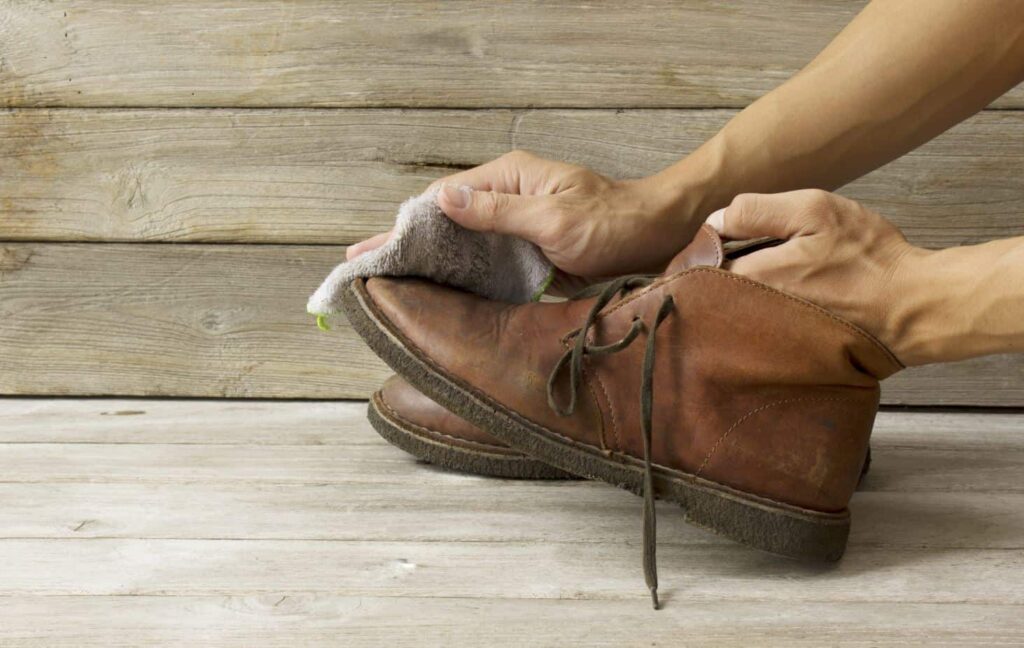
pixel 411 406
pixel 754 389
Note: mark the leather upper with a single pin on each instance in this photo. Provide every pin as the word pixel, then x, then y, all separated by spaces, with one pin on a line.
pixel 753 388
pixel 410 406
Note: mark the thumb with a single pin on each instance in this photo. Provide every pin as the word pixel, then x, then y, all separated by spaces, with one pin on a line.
pixel 490 211
pixel 752 216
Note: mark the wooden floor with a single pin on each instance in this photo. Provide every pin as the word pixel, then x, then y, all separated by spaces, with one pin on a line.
pixel 135 522
pixel 176 180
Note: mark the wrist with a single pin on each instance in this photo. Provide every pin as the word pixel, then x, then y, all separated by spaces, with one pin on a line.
pixel 916 329
pixel 952 303
pixel 681 196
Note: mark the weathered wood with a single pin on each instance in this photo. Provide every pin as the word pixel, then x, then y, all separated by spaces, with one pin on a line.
pixel 288 620
pixel 330 444
pixel 605 571
pixel 418 504
pixel 948 470
pixel 324 423
pixel 368 53
pixel 230 321
pixel 960 383
pixel 173 320
pixel 323 176
pixel 230 469
pixel 238 422
pixel 170 537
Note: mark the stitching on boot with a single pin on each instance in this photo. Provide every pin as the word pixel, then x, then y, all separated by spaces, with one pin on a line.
pixel 756 410
pixel 611 412
pixel 382 324
pixel 597 402
pixel 724 274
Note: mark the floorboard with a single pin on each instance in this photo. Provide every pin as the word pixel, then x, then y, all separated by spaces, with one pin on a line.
pixel 173 522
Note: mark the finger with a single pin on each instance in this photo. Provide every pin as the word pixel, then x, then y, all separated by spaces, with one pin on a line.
pixel 369 244
pixel 489 211
pixel 763 265
pixel 502 174
pixel 750 216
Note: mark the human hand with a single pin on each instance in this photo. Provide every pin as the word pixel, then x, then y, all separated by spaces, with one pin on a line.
pixel 588 225
pixel 837 254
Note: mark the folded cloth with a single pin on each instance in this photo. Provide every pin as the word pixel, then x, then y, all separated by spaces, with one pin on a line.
pixel 428 244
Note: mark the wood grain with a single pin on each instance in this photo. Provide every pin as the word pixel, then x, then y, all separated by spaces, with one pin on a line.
pixel 329 176
pixel 230 321
pixel 217 504
pixel 287 620
pixel 328 423
pixel 175 180
pixel 947 470
pixel 125 421
pixel 606 571
pixel 368 53
pixel 196 530
pixel 327 445
pixel 173 320
pixel 527 513
pixel 229 469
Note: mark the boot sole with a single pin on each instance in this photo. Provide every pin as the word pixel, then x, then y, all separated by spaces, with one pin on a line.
pixel 413 439
pixel 417 441
pixel 752 520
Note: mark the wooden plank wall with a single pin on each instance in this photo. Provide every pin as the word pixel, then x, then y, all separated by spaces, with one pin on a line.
pixel 176 178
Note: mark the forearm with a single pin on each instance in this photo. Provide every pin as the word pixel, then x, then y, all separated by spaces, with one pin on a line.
pixel 897 76
pixel 960 302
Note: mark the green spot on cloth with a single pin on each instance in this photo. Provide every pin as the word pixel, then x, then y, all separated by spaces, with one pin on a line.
pixel 544 286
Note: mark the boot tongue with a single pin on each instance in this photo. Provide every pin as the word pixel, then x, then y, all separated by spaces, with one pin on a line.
pixel 704 250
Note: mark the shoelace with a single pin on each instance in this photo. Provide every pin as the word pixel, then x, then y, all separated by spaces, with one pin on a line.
pixel 574 358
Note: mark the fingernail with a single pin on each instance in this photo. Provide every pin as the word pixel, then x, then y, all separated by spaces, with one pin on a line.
pixel 717 220
pixel 457 197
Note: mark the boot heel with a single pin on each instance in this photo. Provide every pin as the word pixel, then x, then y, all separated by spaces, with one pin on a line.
pixel 766 525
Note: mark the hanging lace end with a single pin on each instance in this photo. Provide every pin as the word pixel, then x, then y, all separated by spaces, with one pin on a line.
pixel 574 358
pixel 650 541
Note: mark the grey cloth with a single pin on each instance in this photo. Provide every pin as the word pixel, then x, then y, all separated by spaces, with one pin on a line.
pixel 428 244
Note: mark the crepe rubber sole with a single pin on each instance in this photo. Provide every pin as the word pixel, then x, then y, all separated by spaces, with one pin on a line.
pixel 418 441
pixel 755 521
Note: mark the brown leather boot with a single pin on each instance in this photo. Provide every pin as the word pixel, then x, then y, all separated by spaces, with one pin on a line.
pixel 750 407
pixel 411 421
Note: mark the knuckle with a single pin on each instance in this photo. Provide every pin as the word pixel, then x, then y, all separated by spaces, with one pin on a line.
pixel 556 234
pixel 818 209
pixel 744 203
pixel 518 155
pixel 487 202
pixel 817 199
pixel 488 208
pixel 558 222
pixel 557 230
pixel 581 176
